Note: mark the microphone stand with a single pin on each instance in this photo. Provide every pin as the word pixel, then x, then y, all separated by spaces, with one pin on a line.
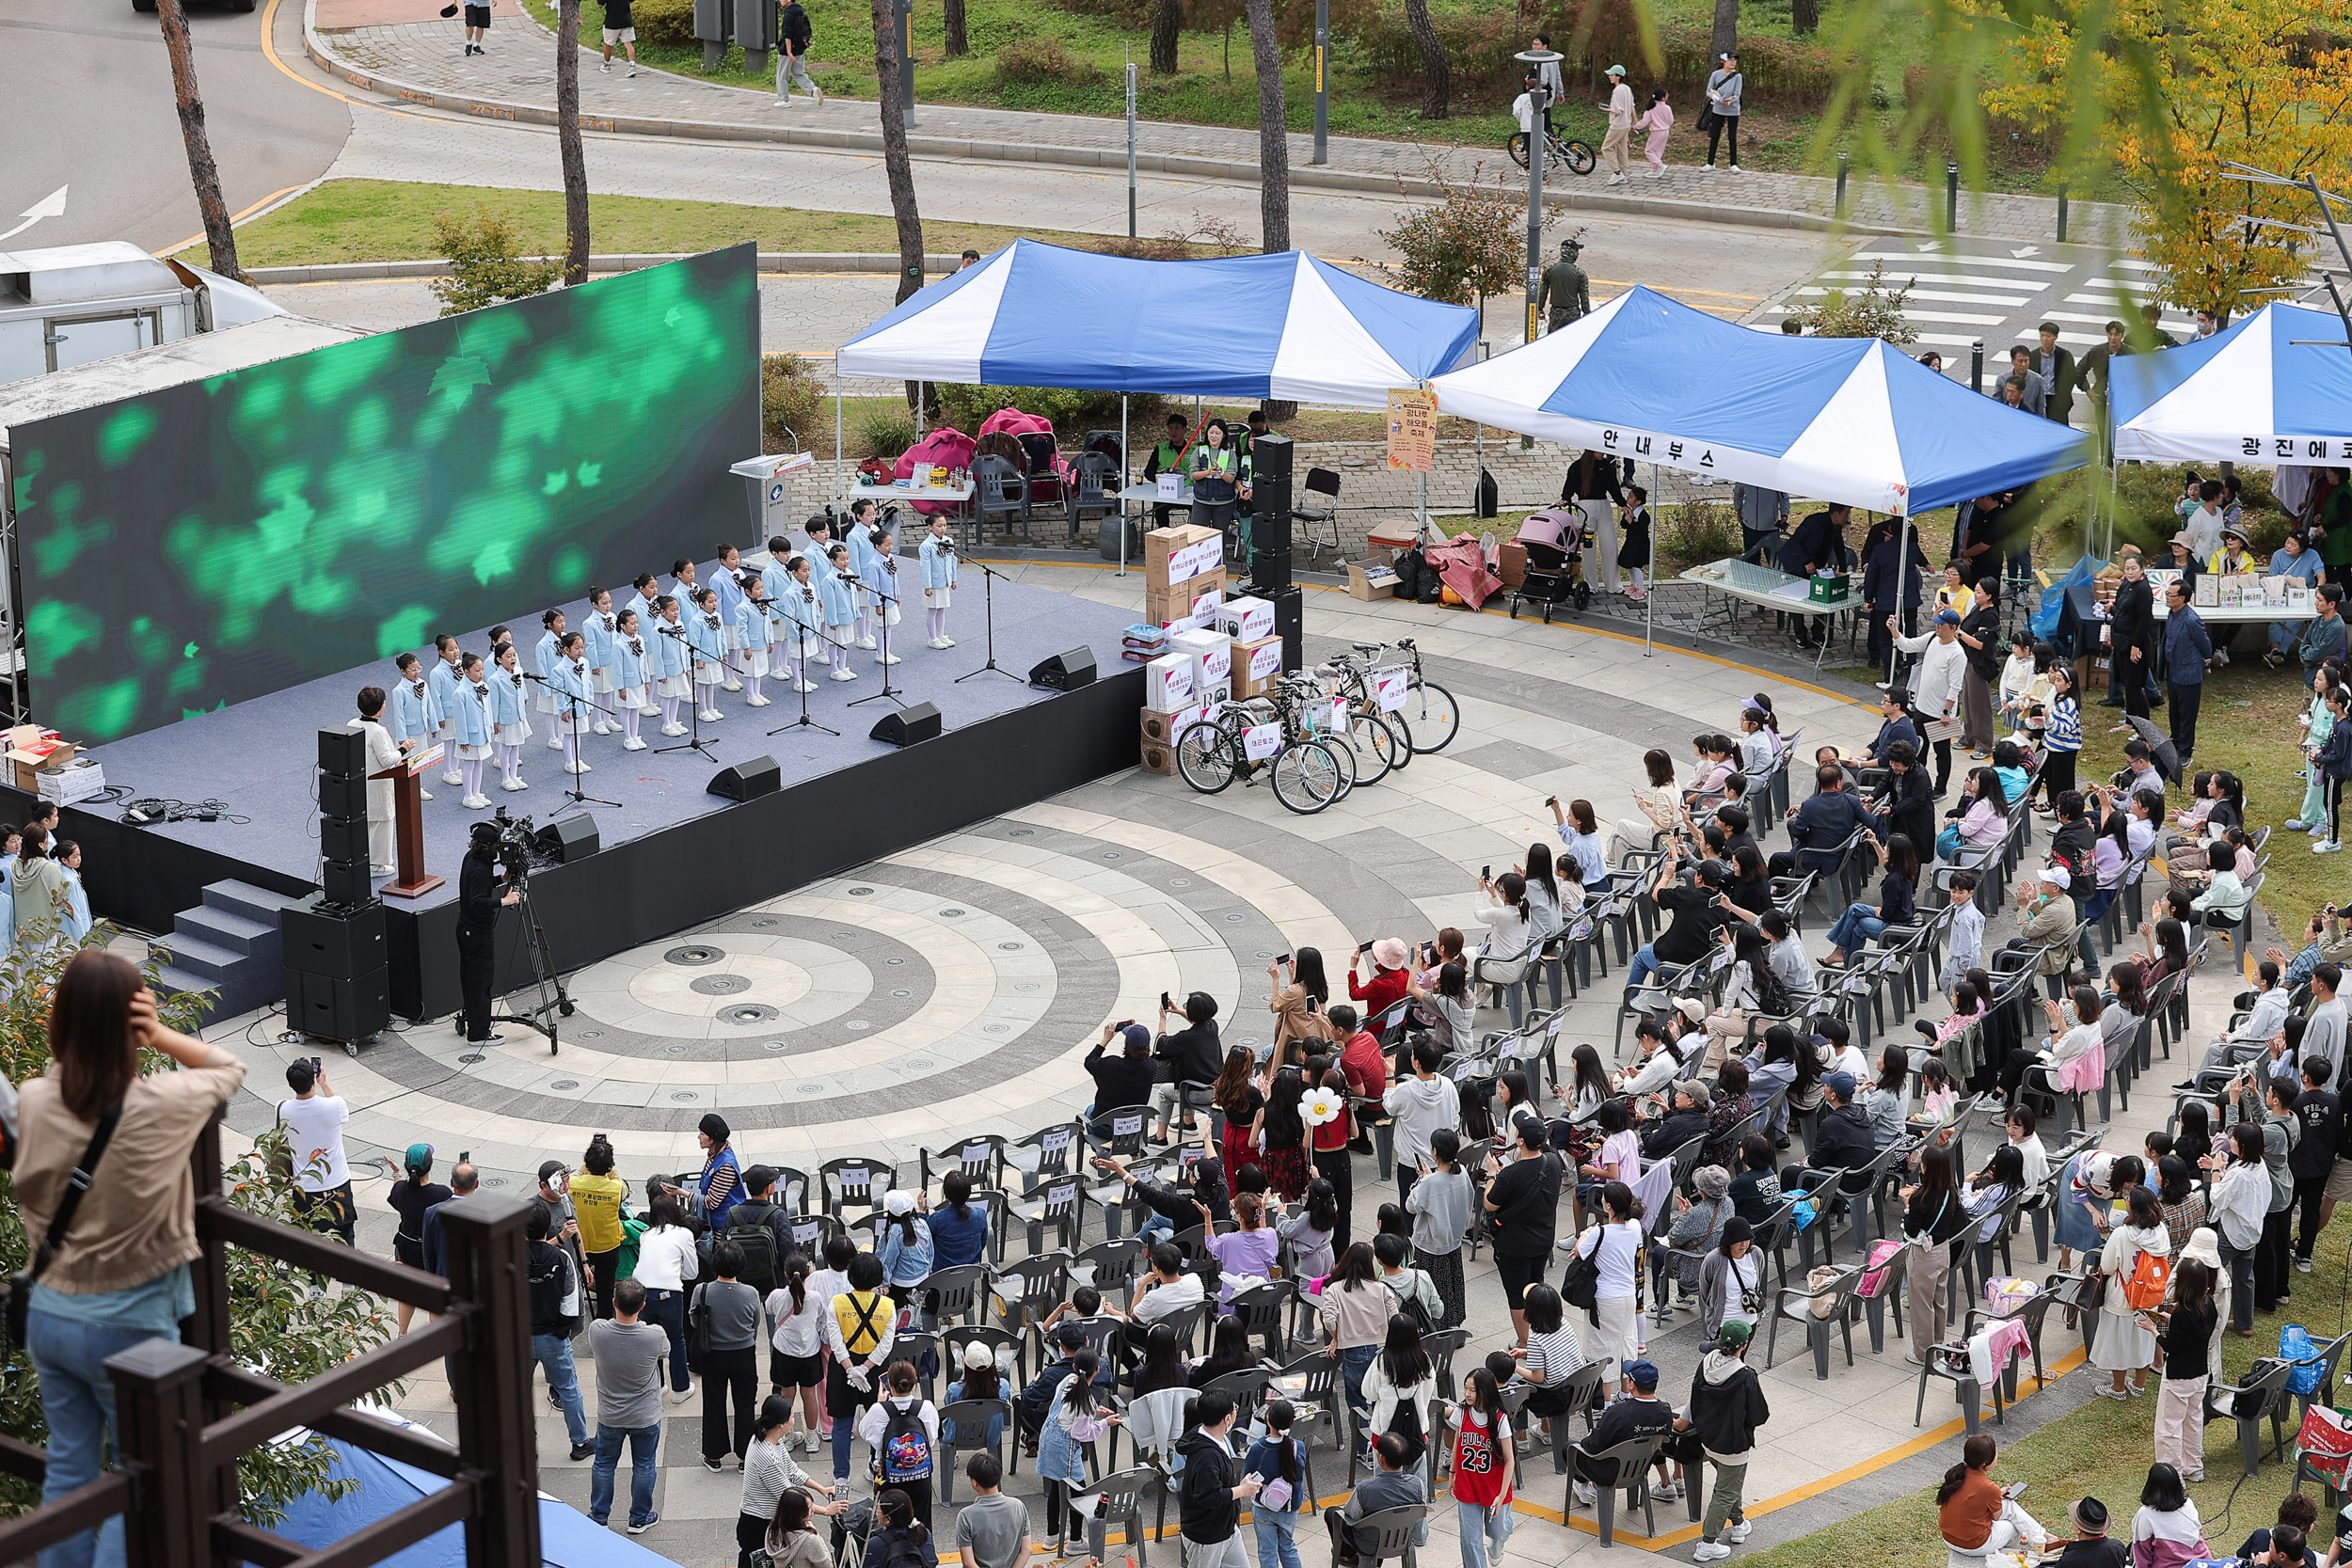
pixel 988 596
pixel 694 741
pixel 802 683
pixel 887 602
pixel 574 795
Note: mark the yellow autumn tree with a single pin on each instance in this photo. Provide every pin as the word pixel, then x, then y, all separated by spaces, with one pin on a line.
pixel 2165 94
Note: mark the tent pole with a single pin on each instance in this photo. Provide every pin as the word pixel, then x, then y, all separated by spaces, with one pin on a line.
pixel 1122 482
pixel 1421 504
pixel 837 428
pixel 1902 590
pixel 1649 594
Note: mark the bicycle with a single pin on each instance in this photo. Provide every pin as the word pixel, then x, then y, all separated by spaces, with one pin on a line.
pixel 1306 772
pixel 1387 737
pixel 1430 717
pixel 1576 156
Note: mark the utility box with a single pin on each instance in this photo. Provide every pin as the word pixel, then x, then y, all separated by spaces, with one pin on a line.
pixel 756 30
pixel 714 28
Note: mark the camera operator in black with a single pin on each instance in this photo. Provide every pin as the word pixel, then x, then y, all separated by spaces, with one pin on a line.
pixel 479 900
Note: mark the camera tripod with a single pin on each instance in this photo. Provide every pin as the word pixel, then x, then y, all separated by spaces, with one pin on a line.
pixel 554 999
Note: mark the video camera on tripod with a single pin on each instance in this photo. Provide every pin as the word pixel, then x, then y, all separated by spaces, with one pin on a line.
pixel 518 843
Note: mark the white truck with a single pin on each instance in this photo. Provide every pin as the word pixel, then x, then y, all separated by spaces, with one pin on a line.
pixel 70 305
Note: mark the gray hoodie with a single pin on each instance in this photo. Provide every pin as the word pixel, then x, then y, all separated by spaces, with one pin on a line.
pixel 1422 1106
pixel 1441 1206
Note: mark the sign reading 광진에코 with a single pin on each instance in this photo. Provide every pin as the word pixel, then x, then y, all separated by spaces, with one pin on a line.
pixel 1412 429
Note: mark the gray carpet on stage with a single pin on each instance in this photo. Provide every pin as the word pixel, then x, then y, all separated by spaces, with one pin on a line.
pixel 259 757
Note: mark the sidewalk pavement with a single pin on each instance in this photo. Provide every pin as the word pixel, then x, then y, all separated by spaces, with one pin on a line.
pixel 516 80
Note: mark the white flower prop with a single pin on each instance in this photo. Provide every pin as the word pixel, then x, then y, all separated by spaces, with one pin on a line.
pixel 1321 1107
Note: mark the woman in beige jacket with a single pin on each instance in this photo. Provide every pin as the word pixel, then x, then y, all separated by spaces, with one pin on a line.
pixel 1297 1004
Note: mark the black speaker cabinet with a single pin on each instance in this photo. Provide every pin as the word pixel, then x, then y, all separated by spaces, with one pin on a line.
pixel 345 1009
pixel 331 941
pixel 343 838
pixel 346 882
pixel 1289 626
pixel 569 838
pixel 343 794
pixel 909 726
pixel 342 750
pixel 748 781
pixel 1065 672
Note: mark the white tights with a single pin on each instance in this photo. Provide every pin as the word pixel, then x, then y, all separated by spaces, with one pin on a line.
pixel 935 621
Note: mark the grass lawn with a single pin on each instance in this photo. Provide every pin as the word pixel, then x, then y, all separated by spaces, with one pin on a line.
pixel 383 220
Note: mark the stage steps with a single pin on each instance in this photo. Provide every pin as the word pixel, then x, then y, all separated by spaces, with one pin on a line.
pixel 228 944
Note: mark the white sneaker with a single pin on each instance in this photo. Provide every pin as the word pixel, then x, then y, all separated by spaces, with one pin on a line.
pixel 581 767
pixel 817 93
pixel 889 658
pixel 523 784
pixel 1585 1494
pixel 845 674
pixel 867 642
pixel 1709 1551
pixel 2326 846
pixel 711 715
pixel 425 795
pixel 634 743
pixel 673 729
pixel 509 784
pixel 805 686
pixel 783 103
pixel 555 743
pixel 453 778
pixel 632 71
pixel 947 642
pixel 1735 168
pixel 651 711
pixel 936 643
pixel 760 701
pixel 476 802
pixel 732 685
pixel 606 69
pixel 1738 1532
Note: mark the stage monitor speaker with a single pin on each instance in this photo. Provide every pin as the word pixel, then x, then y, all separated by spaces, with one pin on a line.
pixel 1290 627
pixel 343 838
pixel 569 838
pixel 343 794
pixel 909 725
pixel 342 750
pixel 345 883
pixel 334 943
pixel 344 1009
pixel 748 781
pixel 1064 672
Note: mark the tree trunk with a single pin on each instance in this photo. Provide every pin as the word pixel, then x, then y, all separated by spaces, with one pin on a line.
pixel 568 142
pixel 958 45
pixel 1274 147
pixel 895 164
pixel 1726 40
pixel 1435 81
pixel 1804 17
pixel 1164 22
pixel 202 173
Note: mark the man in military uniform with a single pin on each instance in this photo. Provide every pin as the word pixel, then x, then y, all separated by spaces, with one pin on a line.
pixel 1567 292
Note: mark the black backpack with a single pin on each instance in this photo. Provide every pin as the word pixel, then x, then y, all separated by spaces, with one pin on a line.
pixel 758 1244
pixel 1409 1303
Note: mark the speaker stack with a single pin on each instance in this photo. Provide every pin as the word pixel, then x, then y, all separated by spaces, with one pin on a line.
pixel 1270 474
pixel 336 985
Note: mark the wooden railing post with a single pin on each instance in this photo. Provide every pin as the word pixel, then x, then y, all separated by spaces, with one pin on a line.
pixel 207 1329
pixel 491 1379
pixel 160 1410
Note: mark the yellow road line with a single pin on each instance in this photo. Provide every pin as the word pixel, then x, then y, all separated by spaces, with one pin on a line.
pixel 269 52
pixel 240 217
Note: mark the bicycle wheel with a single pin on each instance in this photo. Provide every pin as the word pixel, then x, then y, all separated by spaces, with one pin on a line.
pixel 1518 148
pixel 1404 733
pixel 1579 156
pixel 1307 776
pixel 1373 740
pixel 1435 717
pixel 1204 756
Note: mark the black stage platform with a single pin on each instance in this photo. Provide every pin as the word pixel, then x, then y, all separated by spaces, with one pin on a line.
pixel 673 855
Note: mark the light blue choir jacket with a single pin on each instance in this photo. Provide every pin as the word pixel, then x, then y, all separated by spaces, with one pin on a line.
pixel 77 920
pixel 416 710
pixel 862 552
pixel 834 595
pixel 730 596
pixel 508 704
pixel 571 680
pixel 645 616
pixel 471 717
pixel 546 657
pixel 939 566
pixel 752 620
pixel 665 655
pixel 776 578
pixel 439 685
pixel 880 577
pixel 629 660
pixel 705 638
pixel 599 633
pixel 7 900
pixel 799 607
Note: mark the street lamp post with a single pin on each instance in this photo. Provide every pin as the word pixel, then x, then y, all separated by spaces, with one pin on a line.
pixel 1537 147
pixel 1322 82
pixel 906 59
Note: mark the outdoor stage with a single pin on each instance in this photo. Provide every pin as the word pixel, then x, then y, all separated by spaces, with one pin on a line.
pixel 671 855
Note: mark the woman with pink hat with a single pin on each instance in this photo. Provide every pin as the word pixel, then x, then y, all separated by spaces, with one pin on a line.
pixel 1384 988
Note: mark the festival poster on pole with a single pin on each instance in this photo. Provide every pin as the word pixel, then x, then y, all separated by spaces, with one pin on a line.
pixel 1412 429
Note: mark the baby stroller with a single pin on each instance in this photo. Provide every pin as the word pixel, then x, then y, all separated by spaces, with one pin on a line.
pixel 1554 539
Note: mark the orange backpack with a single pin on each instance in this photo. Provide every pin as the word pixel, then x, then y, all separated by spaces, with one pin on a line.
pixel 2151 1274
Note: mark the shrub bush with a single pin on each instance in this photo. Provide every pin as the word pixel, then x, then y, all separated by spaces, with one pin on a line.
pixel 1072 412
pixel 884 432
pixel 487 266
pixel 1704 531
pixel 789 396
pixel 663 21
pixel 1043 61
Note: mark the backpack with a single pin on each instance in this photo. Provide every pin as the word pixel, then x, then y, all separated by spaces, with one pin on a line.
pixel 906 1447
pixel 1407 1302
pixel 899 1551
pixel 1406 1423
pixel 697 1326
pixel 2144 1291
pixel 758 1242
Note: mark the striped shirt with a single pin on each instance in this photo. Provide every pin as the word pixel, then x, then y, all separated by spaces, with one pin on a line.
pixel 2063 731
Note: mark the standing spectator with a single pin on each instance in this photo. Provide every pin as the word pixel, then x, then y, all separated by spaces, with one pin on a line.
pixel 1763 515
pixel 2240 1195
pixel 116 1276
pixel 1485 1462
pixel 1439 1203
pixel 555 1310
pixel 1613 1242
pixel 1301 1028
pixel 1722 98
pixel 1277 1457
pixel 792 41
pixel 666 1261
pixel 621 27
pixel 463 1180
pixel 720 1187
pixel 2314 1157
pixel 2055 366
pixel 414 1197
pixel 1936 685
pixel 992 1531
pixel 1563 292
pixel 2123 1344
pixel 314 1119
pixel 2131 637
pixel 778 1498
pixel 477 25
pixel 1726 1406
pixel 597 1197
pixel 733 1310
pixel 2187 1343
pixel 2188 650
pixel 1523 1198
pixel 629 1355
pixel 2034 393
pixel 1658 120
pixel 1613 145
pixel 859 1331
pixel 555 1200
pixel 1421 1106
pixel 1210 1503
pixel 1354 1308
pixel 1980 635
pixel 901 1431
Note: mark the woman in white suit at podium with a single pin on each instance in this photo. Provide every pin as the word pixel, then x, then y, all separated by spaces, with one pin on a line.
pixel 382 754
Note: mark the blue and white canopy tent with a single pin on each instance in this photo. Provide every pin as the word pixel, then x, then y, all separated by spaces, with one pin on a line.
pixel 1286 326
pixel 2275 387
pixel 1852 419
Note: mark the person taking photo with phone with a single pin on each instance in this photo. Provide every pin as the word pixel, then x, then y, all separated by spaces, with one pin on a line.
pixel 313 1120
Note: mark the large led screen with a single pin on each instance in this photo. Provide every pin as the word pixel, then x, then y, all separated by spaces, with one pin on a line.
pixel 215 541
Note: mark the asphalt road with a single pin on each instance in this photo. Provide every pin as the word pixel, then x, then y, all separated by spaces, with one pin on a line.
pixel 88 96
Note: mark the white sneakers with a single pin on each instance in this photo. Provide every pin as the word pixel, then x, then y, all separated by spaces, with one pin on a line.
pixel 805 686
pixel 845 674
pixel 1735 168
pixel 1738 1532
pixel 476 802
pixel 634 743
pixel 582 767
pixel 651 711
pixel 1709 1551
pixel 889 658
pixel 603 728
pixel 760 701
pixel 866 643
pixel 711 715
pixel 453 778
pixel 673 729
pixel 555 742
pixel 1616 179
pixel 632 68
pixel 732 685
pixel 606 69
pixel 425 795
pixel 2326 846
pixel 1586 1495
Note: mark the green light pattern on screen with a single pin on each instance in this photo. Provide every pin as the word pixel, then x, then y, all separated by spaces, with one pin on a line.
pixel 214 542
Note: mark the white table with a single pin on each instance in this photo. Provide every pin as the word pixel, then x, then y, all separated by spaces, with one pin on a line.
pixel 925 492
pixel 1149 495
pixel 1746 583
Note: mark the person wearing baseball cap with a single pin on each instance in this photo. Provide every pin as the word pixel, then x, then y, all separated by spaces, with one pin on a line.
pixel 1842 1145
pixel 1123 1080
pixel 414 1195
pixel 1615 146
pixel 1936 683
pixel 1636 1413
pixel 1726 1406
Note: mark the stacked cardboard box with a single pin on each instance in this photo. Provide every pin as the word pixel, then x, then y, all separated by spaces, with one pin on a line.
pixel 1183 566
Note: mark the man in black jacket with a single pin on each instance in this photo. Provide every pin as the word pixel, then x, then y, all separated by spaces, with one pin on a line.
pixel 1816 828
pixel 1726 1406
pixel 1194 1054
pixel 2131 638
pixel 792 38
pixel 1639 1413
pixel 1841 1146
pixel 1210 1499
pixel 1678 1125
pixel 554 1286
pixel 1392 1485
pixel 478 901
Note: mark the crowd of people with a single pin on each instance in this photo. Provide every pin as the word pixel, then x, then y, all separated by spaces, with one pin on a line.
pixel 41 894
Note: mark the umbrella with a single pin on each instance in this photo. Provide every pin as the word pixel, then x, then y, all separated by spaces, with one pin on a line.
pixel 2160 750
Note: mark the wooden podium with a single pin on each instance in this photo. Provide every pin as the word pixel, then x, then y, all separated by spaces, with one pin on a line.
pixel 408 822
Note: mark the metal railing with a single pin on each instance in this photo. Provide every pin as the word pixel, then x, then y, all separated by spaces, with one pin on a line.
pixel 186 1412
